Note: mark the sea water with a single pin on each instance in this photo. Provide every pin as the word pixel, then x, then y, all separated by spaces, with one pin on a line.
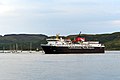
pixel 39 66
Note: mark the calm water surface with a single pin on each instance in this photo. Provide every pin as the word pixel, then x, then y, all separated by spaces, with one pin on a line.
pixel 38 66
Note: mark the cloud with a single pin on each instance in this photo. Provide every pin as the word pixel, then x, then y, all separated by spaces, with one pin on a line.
pixel 115 22
pixel 62 7
pixel 5 9
pixel 59 15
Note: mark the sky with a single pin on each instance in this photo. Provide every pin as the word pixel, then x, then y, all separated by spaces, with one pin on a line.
pixel 65 17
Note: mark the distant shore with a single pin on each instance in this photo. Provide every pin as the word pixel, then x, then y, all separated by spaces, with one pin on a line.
pixel 33 41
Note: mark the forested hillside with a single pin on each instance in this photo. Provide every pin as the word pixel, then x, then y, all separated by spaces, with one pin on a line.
pixel 33 41
pixel 111 41
pixel 22 41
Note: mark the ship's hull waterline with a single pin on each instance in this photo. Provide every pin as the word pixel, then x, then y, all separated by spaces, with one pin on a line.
pixel 67 50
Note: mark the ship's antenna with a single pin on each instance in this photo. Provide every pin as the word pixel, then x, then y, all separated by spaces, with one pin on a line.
pixel 57 36
pixel 79 34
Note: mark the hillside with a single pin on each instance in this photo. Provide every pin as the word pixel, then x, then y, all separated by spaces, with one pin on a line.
pixel 33 41
pixel 22 41
pixel 111 41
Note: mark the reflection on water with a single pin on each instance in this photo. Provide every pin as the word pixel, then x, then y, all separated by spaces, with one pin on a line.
pixel 39 66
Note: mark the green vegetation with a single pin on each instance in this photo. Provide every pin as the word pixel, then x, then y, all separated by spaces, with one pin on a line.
pixel 33 41
pixel 22 41
pixel 111 41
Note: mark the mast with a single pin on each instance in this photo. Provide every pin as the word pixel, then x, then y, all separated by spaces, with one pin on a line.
pixel 79 34
pixel 30 47
pixel 3 49
pixel 21 48
pixel 16 47
pixel 57 36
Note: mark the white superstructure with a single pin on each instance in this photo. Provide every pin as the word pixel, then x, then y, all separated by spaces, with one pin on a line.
pixel 63 42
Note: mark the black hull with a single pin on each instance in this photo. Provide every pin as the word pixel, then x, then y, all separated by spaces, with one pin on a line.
pixel 66 50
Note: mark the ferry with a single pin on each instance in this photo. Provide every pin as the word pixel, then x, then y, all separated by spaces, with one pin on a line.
pixel 67 46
